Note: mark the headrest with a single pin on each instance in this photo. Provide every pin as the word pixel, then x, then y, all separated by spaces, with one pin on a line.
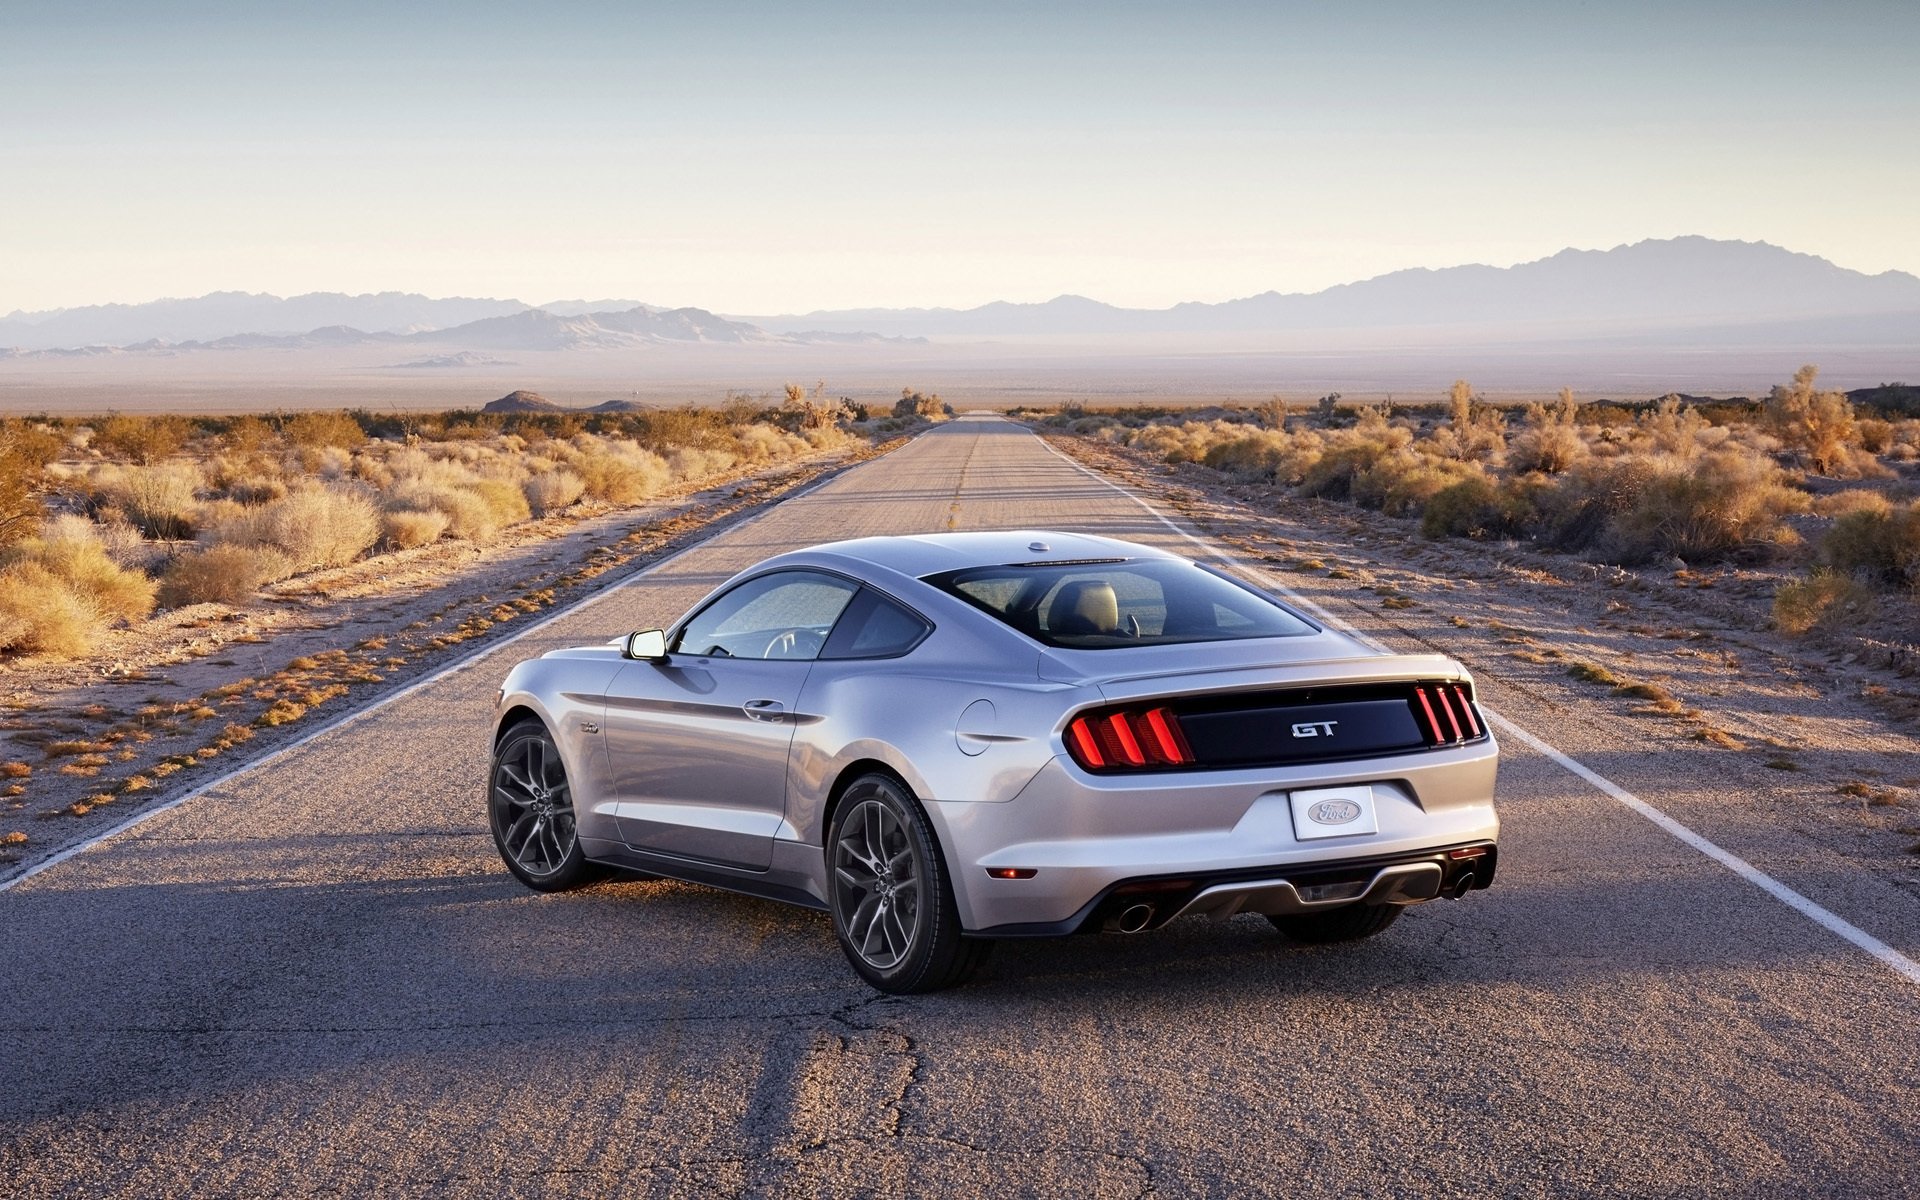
pixel 1084 606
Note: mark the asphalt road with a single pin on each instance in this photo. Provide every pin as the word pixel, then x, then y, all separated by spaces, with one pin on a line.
pixel 317 979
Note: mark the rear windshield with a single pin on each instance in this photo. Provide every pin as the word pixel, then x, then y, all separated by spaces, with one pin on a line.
pixel 1104 605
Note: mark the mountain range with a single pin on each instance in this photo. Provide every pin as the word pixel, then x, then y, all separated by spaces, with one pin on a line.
pixel 1657 289
pixel 1650 284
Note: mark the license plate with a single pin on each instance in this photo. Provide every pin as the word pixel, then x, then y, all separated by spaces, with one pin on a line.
pixel 1333 812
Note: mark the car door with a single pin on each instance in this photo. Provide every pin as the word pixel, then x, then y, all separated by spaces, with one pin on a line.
pixel 698 742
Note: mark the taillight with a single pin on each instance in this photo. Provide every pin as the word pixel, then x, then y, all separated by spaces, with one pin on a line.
pixel 1128 739
pixel 1444 712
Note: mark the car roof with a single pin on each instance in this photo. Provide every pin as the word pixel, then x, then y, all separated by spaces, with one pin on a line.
pixel 931 553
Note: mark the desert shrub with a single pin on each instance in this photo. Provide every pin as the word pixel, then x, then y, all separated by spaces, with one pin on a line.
pixel 1820 425
pixel 1257 456
pixel 622 479
pixel 73 553
pixel 1883 546
pixel 1876 436
pixel 141 439
pixel 1475 506
pixel 1332 474
pixel 314 526
pixel 1403 484
pixel 468 516
pixel 1729 502
pixel 25 452
pixel 405 529
pixel 693 462
pixel 317 430
pixel 550 491
pixel 159 499
pixel 246 434
pixel 222 574
pixel 39 614
pixel 505 500
pixel 248 478
pixel 321 527
pixel 1824 599
pixel 1853 500
pixel 925 408
pixel 1549 440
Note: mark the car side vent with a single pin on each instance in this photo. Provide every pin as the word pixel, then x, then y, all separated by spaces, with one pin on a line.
pixel 1445 713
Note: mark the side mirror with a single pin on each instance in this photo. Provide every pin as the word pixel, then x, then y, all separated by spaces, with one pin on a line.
pixel 647 644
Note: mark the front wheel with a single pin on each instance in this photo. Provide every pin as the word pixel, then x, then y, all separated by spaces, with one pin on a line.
pixel 892 904
pixel 1348 924
pixel 530 808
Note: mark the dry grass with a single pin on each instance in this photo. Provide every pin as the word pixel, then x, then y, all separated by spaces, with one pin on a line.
pixel 222 574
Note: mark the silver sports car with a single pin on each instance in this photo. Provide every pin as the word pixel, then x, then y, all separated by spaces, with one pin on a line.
pixel 948 739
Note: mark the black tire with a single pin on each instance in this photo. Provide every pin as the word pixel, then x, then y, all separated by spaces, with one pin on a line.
pixel 530 810
pixel 1348 924
pixel 889 893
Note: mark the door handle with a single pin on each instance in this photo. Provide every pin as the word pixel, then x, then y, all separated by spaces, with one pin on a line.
pixel 763 710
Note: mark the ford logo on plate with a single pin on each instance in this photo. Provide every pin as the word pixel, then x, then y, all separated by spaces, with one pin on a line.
pixel 1333 812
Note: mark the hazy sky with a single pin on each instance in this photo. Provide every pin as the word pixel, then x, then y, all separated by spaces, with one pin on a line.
pixel 758 158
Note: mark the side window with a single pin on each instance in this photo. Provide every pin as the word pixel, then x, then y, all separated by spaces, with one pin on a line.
pixel 875 627
pixel 787 614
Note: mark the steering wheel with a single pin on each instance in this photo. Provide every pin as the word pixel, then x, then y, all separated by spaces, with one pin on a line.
pixel 796 643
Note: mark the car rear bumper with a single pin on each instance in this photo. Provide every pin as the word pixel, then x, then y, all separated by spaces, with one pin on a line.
pixel 1133 905
pixel 1078 838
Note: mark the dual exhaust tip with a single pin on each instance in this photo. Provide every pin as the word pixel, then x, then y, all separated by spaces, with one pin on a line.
pixel 1136 917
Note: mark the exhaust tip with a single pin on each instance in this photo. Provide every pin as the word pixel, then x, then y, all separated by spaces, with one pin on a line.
pixel 1134 918
pixel 1462 885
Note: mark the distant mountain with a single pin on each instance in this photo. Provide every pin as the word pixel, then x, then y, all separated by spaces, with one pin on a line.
pixel 1651 284
pixel 473 342
pixel 575 308
pixel 226 314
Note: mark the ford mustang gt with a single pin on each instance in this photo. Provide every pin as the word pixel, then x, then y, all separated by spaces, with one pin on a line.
pixel 948 739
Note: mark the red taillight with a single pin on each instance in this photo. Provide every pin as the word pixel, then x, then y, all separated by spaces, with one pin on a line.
pixel 1444 712
pixel 1128 738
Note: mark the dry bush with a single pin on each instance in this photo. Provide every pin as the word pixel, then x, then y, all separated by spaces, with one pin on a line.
pixel 1883 546
pixel 246 434
pixel 248 478
pixel 552 490
pixel 1475 506
pixel 1824 599
pixel 694 463
pixel 40 615
pixel 315 526
pixel 317 430
pixel 73 553
pixel 322 527
pixel 1729 502
pixel 1403 484
pixel 506 502
pixel 622 479
pixel 1820 425
pixel 1853 500
pixel 25 451
pixel 405 529
pixel 161 499
pixel 467 515
pixel 1549 440
pixel 222 574
pixel 141 439
pixel 1260 454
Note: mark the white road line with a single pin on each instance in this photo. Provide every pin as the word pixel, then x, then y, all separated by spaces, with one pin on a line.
pixel 345 719
pixel 1732 862
pixel 1893 959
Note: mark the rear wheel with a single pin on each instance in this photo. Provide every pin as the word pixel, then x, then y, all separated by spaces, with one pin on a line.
pixel 1348 924
pixel 887 887
pixel 530 808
